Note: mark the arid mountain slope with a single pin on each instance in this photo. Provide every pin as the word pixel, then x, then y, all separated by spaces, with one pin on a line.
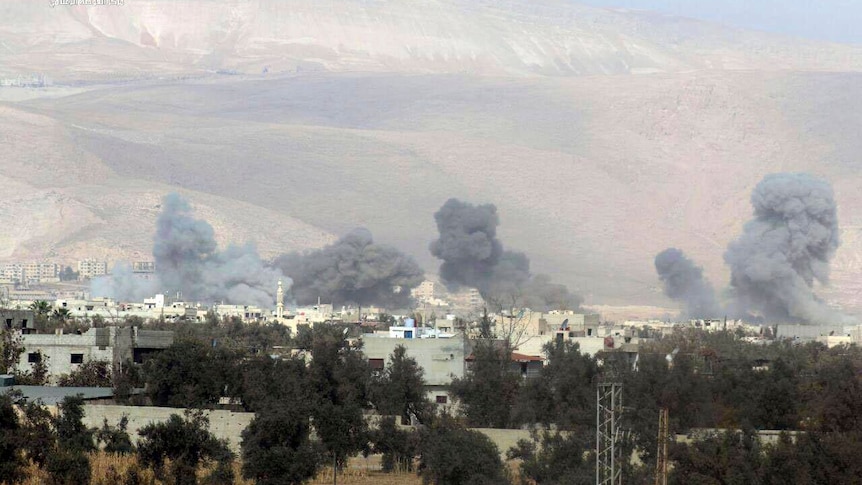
pixel 374 113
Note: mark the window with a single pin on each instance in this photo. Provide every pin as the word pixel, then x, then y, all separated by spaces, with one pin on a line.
pixel 23 323
pixel 8 323
pixel 77 358
pixel 442 399
pixel 34 357
pixel 376 364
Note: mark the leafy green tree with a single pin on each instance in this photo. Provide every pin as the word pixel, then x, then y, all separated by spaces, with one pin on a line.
pixel 400 390
pixel 453 455
pixel 555 459
pixel 95 373
pixel 488 391
pixel 68 274
pixel 11 349
pixel 36 376
pixel 564 394
pixel 277 447
pixel 398 447
pixel 12 461
pixel 732 458
pixel 68 463
pixel 339 377
pixel 115 439
pixel 187 443
pixel 191 374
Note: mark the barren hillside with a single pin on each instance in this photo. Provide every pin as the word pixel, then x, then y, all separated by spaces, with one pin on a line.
pixel 374 113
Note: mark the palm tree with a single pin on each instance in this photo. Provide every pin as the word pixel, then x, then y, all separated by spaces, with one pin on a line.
pixel 40 307
pixel 60 315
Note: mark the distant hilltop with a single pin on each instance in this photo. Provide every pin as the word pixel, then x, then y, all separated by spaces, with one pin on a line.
pixel 515 37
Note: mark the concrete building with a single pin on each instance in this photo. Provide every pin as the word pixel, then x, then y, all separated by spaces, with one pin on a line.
pixel 21 320
pixel 440 358
pixel 90 268
pixel 66 352
pixel 247 313
pixel 426 291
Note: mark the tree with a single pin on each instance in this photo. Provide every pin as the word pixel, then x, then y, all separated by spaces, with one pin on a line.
pixel 115 439
pixel 187 443
pixel 60 315
pixel 488 391
pixel 68 274
pixel 37 375
pixel 400 390
pixel 728 458
pixel 41 308
pixel 398 447
pixel 11 349
pixel 12 461
pixel 555 458
pixel 453 455
pixel 277 448
pixel 95 373
pixel 339 376
pixel 68 463
pixel 564 393
pixel 191 374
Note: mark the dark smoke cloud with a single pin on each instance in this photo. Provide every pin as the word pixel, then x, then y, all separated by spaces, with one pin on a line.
pixel 785 249
pixel 188 262
pixel 683 281
pixel 474 257
pixel 353 270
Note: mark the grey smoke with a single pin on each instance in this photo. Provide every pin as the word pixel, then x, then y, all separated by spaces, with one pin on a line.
pixel 189 262
pixel 354 269
pixel 785 248
pixel 473 256
pixel 683 281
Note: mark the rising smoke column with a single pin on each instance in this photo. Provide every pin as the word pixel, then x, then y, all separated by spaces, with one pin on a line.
pixel 474 257
pixel 785 249
pixel 354 269
pixel 188 262
pixel 468 243
pixel 683 281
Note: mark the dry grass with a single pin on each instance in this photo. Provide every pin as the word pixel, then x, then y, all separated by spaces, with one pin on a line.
pixel 101 464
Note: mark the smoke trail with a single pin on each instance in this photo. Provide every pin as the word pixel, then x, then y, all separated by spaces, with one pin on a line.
pixel 785 248
pixel 188 262
pixel 353 270
pixel 474 257
pixel 683 281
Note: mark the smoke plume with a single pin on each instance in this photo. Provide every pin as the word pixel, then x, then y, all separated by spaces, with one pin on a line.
pixel 785 249
pixel 354 269
pixel 683 281
pixel 474 257
pixel 188 262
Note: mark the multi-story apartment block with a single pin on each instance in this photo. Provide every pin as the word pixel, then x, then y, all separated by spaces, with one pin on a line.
pixel 90 268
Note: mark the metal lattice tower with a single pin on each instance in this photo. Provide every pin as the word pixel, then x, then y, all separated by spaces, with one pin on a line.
pixel 609 402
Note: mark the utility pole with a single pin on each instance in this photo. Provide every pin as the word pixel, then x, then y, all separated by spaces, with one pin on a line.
pixel 661 455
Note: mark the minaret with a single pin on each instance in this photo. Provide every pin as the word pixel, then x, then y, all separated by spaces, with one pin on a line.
pixel 279 301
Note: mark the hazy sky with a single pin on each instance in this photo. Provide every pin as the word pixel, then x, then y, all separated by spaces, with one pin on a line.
pixel 835 20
